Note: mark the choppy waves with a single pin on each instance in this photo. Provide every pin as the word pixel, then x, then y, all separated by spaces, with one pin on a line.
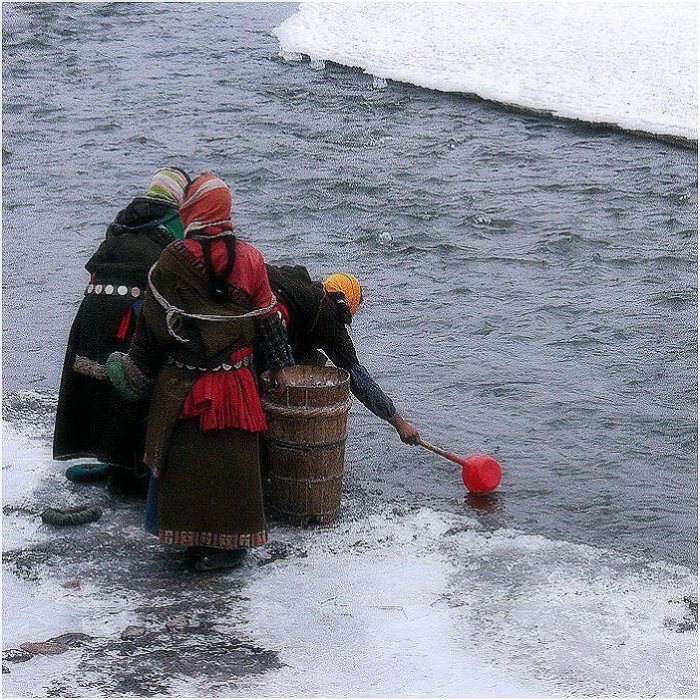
pixel 630 66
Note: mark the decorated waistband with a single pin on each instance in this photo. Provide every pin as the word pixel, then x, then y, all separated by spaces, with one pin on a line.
pixel 247 361
pixel 120 290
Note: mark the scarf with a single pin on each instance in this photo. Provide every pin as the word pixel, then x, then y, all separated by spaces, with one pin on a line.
pixel 206 208
pixel 169 185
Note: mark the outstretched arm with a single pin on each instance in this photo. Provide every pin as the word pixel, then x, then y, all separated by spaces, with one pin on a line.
pixel 372 396
pixel 341 351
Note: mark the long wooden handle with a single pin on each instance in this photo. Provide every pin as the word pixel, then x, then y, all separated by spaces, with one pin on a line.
pixel 439 451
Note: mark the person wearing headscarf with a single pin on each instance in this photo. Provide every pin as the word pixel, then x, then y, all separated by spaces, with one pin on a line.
pixel 92 420
pixel 209 299
pixel 317 316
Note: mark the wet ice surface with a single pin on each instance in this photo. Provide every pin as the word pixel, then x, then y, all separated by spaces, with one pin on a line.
pixel 450 606
pixel 81 588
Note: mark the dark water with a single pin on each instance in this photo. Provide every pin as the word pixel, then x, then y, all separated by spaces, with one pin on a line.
pixel 531 285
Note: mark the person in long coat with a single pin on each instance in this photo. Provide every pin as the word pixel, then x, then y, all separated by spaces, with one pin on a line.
pixel 92 420
pixel 208 300
pixel 317 316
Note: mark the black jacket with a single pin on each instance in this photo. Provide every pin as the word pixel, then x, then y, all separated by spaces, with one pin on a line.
pixel 91 419
pixel 318 322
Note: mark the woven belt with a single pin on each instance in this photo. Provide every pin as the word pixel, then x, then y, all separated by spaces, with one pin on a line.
pixel 121 290
pixel 223 367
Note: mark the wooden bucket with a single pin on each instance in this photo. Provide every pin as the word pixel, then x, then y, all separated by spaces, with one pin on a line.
pixel 306 442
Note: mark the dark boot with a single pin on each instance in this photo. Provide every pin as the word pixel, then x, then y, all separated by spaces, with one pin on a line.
pixel 212 559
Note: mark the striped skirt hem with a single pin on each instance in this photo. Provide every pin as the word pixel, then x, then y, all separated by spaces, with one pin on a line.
pixel 191 538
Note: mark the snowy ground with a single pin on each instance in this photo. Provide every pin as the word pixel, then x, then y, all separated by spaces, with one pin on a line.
pixel 632 65
pixel 398 602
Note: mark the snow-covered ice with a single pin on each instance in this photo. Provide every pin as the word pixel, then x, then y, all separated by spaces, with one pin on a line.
pixel 400 601
pixel 632 65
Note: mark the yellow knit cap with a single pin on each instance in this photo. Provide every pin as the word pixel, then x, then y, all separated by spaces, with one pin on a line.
pixel 349 285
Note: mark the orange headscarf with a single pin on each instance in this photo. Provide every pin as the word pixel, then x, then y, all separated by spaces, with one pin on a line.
pixel 349 285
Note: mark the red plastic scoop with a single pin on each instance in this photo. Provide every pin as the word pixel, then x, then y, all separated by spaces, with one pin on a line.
pixel 480 473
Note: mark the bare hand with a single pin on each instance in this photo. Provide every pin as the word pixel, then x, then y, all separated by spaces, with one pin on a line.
pixel 407 431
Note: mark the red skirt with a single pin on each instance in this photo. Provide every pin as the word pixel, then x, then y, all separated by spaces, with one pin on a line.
pixel 226 399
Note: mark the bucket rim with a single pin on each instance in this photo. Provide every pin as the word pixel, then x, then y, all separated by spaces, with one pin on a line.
pixel 298 377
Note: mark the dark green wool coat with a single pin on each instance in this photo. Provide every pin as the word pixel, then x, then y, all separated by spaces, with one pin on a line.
pixel 182 279
pixel 92 420
pixel 209 487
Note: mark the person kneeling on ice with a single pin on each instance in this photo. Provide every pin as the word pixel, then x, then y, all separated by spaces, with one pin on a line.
pixel 317 316
pixel 92 420
pixel 208 299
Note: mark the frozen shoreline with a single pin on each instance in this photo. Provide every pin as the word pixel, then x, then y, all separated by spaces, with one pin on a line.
pixel 79 589
pixel 452 608
pixel 558 61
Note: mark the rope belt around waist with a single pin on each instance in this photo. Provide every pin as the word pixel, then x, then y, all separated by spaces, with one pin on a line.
pixel 120 290
pixel 247 361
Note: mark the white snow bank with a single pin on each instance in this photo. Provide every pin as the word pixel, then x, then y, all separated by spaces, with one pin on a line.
pixel 365 615
pixel 24 465
pixel 426 604
pixel 632 65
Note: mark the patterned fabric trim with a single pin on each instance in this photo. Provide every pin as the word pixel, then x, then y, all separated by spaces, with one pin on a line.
pixel 140 383
pixel 181 250
pixel 212 539
pixel 88 367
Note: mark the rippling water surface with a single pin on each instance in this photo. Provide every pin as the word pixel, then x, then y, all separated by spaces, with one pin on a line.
pixel 530 285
